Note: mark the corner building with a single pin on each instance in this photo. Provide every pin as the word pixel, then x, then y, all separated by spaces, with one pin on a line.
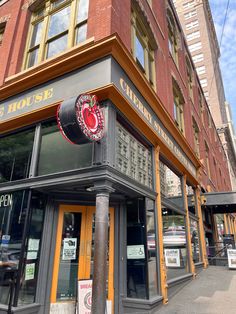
pixel 159 151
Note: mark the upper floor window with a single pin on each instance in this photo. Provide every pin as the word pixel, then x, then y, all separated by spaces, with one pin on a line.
pixel 198 58
pixel 201 105
pixel 2 30
pixel 143 47
pixel 56 26
pixel 190 14
pixel 195 46
pixel 196 138
pixel 201 70
pixel 190 77
pixel 178 107
pixel 203 82
pixel 172 36
pixel 191 25
pixel 188 5
pixel 207 160
pixel 193 35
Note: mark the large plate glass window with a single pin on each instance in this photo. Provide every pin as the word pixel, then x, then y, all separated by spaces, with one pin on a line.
pixel 15 155
pixel 194 224
pixel 141 250
pixel 174 223
pixel 57 154
pixel 56 25
pixel 15 213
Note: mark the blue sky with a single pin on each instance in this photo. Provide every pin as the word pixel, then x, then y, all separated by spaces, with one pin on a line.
pixel 228 47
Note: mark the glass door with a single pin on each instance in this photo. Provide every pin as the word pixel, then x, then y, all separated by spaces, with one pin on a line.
pixel 75 250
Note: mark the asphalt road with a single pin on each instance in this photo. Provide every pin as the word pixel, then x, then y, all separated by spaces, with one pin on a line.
pixel 212 292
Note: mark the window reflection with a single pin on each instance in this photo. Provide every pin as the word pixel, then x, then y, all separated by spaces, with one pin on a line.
pixel 152 251
pixel 12 220
pixel 59 22
pixel 141 251
pixel 82 10
pixel 170 182
pixel 81 33
pixel 57 154
pixel 175 244
pixel 15 155
pixel 139 51
pixel 195 241
pixel 51 26
pixel 30 275
pixel 57 46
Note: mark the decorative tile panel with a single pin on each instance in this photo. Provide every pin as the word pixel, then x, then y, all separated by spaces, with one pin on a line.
pixel 133 158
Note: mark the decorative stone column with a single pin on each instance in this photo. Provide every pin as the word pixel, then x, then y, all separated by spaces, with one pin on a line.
pixel 103 191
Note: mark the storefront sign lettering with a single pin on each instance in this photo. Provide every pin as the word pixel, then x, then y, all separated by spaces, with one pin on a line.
pixel 156 125
pixel 85 298
pixel 29 101
pixel 6 200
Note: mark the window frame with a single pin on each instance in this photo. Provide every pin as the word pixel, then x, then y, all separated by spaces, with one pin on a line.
pixel 49 9
pixel 2 31
pixel 190 78
pixel 196 138
pixel 172 37
pixel 178 102
pixel 139 31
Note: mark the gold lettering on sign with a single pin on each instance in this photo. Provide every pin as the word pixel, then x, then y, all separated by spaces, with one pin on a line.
pixel 28 101
pixel 156 126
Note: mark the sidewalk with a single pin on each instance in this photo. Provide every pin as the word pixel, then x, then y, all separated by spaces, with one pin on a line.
pixel 212 292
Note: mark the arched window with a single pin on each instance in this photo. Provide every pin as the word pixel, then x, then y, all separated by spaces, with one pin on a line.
pixel 56 25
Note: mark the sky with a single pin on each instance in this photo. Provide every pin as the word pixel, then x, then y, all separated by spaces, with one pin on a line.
pixel 228 47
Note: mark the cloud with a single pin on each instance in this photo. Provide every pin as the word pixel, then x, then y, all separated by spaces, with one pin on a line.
pixel 228 47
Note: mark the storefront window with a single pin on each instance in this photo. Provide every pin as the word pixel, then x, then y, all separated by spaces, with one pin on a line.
pixel 30 274
pixel 175 243
pixel 174 223
pixel 141 251
pixel 15 155
pixel 151 249
pixel 195 241
pixel 14 214
pixel 57 154
pixel 194 224
pixel 171 186
pixel 13 208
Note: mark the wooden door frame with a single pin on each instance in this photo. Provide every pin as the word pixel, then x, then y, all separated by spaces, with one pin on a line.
pixel 85 250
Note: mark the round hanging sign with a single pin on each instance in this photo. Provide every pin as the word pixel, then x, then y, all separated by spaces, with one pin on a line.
pixel 80 119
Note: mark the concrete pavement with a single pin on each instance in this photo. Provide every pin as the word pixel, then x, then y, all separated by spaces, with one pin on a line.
pixel 212 292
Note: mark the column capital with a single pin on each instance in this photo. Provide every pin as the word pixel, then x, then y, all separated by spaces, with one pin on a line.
pixel 104 187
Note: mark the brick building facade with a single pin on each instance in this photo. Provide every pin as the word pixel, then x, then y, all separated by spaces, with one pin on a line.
pixel 135 59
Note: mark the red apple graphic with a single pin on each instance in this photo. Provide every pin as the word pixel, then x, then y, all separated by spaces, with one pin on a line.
pixel 90 117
